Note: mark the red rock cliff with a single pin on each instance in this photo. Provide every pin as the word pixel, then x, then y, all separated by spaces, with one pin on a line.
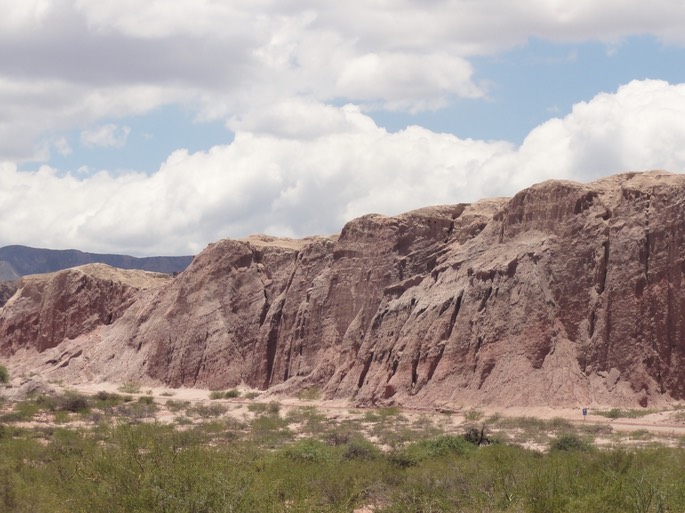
pixel 565 294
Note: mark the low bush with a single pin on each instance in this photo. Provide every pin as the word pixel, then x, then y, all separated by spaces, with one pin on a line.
pixel 224 394
pixel 130 387
pixel 4 375
pixel 104 400
pixel 431 448
pixel 206 412
pixel 272 408
pixel 618 413
pixel 176 406
pixel 569 442
pixel 309 451
pixel 73 402
pixel 443 445
pixel 360 449
pixel 137 411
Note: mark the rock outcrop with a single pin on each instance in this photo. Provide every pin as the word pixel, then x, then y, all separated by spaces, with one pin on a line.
pixel 49 309
pixel 565 294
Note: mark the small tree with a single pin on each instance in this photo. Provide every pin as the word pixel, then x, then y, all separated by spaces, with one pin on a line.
pixel 4 375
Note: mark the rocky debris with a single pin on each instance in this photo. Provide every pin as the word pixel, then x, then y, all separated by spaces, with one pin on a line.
pixel 566 294
pixel 27 389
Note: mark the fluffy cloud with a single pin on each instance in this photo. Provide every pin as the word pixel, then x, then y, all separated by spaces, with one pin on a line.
pixel 305 181
pixel 67 64
pixel 294 81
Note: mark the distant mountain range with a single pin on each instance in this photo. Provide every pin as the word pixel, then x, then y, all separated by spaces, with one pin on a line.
pixel 17 261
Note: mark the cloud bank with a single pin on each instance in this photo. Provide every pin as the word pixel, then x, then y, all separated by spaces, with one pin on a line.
pixel 69 64
pixel 304 168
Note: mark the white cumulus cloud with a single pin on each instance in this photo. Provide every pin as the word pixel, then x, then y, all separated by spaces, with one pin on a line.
pixel 268 181
pixel 66 64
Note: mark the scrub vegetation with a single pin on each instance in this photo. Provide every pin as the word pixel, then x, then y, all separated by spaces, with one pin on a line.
pixel 119 453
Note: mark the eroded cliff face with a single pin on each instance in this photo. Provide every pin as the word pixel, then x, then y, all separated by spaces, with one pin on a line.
pixel 565 294
pixel 48 309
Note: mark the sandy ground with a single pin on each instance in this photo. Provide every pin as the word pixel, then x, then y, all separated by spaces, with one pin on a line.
pixel 661 422
pixel 668 423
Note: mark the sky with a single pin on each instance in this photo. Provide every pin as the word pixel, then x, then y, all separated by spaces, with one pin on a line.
pixel 158 127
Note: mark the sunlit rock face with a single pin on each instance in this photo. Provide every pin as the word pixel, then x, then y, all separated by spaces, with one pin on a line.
pixel 565 294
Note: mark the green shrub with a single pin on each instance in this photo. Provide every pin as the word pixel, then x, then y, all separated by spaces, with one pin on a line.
pixel 176 406
pixel 309 451
pixel 136 411
pixel 341 435
pixel 445 444
pixel 23 411
pixel 210 411
pixel 431 448
pixel 106 400
pixel 613 413
pixel 4 374
pixel 361 449
pixel 272 408
pixel 270 430
pixel 224 394
pixel 569 442
pixel 73 402
pixel 617 413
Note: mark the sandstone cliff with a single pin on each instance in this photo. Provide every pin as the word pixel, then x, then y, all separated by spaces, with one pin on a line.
pixel 565 294
pixel 48 309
